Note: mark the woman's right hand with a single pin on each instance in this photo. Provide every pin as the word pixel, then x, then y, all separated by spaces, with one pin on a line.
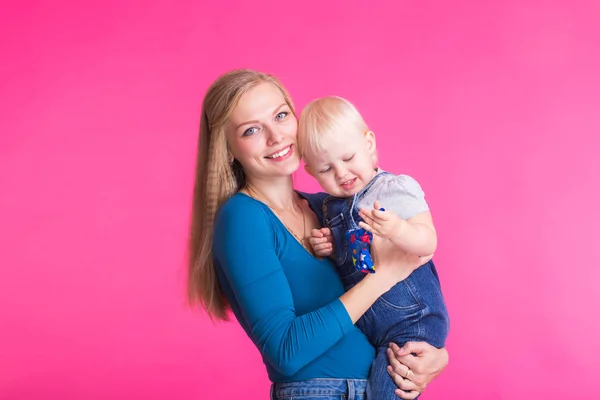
pixel 391 263
pixel 414 365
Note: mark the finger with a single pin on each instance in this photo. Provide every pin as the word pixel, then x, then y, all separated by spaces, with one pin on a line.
pixel 320 240
pixel 406 389
pixel 400 370
pixel 326 231
pixel 324 253
pixel 316 233
pixel 396 366
pixel 408 353
pixel 366 219
pixel 397 349
pixel 400 364
pixel 381 215
pixel 370 221
pixel 366 227
pixel 376 205
pixel 315 241
pixel 363 212
pixel 322 247
pixel 411 362
pixel 403 383
pixel 411 347
pixel 407 395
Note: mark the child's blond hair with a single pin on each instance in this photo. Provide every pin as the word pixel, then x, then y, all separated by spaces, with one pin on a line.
pixel 327 118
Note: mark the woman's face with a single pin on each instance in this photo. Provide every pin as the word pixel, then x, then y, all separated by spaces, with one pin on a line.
pixel 261 133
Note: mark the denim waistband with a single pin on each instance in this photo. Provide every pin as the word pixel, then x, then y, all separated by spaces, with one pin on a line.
pixel 319 387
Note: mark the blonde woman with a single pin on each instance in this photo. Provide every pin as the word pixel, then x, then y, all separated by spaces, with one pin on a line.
pixel 249 253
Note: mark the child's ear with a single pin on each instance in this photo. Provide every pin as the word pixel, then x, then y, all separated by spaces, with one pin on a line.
pixel 308 170
pixel 372 148
pixel 370 139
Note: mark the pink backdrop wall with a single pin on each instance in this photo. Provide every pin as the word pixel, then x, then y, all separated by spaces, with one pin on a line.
pixel 493 106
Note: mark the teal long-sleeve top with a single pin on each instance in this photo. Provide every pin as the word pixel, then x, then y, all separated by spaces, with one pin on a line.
pixel 286 300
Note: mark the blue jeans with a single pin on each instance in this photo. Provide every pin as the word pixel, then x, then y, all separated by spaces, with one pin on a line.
pixel 413 310
pixel 320 389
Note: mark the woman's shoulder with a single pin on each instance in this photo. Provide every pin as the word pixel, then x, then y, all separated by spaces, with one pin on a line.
pixel 241 208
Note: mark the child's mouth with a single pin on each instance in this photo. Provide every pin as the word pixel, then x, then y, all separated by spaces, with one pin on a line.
pixel 348 184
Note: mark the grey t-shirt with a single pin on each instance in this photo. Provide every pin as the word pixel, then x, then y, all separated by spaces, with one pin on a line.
pixel 400 194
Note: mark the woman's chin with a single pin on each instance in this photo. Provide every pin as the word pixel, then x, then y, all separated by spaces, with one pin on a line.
pixel 289 167
pixel 277 170
pixel 286 168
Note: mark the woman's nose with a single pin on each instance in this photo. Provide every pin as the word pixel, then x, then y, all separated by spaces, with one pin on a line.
pixel 274 136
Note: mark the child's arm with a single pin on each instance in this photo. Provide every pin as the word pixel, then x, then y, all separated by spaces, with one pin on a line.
pixel 321 242
pixel 416 235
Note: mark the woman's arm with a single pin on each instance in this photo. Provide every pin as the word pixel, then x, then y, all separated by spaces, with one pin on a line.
pixel 244 249
pixel 414 365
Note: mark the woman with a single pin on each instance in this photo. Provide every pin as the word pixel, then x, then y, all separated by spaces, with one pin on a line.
pixel 249 252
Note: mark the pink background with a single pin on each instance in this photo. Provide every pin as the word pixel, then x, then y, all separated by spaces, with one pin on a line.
pixel 493 106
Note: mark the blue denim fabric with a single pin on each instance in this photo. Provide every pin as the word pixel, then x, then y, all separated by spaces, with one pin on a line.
pixel 320 389
pixel 413 310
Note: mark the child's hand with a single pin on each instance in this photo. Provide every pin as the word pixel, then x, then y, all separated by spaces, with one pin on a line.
pixel 322 242
pixel 384 224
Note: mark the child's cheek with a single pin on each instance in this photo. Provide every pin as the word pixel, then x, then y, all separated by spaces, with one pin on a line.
pixel 375 161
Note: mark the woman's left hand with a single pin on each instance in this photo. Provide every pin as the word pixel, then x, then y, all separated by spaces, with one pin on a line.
pixel 412 373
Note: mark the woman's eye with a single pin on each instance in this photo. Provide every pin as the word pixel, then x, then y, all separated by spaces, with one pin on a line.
pixel 350 158
pixel 281 115
pixel 250 131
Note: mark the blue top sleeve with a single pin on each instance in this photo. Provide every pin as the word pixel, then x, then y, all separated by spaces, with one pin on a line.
pixel 245 249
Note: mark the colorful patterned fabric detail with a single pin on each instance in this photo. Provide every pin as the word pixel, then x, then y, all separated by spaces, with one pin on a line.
pixel 359 241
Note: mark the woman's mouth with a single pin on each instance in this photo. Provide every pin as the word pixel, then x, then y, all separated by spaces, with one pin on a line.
pixel 282 154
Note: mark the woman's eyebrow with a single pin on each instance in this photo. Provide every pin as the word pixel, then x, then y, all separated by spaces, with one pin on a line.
pixel 246 123
pixel 279 108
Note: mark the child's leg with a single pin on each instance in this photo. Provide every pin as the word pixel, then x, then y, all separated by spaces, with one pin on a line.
pixel 381 385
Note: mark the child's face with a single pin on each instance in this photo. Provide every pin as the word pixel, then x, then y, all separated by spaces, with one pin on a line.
pixel 346 166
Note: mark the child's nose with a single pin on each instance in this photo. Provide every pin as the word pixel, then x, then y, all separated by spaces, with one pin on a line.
pixel 340 172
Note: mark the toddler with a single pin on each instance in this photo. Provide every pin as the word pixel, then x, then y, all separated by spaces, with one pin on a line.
pixel 339 151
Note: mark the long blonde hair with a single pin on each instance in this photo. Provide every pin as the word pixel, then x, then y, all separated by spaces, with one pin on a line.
pixel 216 180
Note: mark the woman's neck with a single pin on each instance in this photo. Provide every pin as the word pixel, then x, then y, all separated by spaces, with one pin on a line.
pixel 278 194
